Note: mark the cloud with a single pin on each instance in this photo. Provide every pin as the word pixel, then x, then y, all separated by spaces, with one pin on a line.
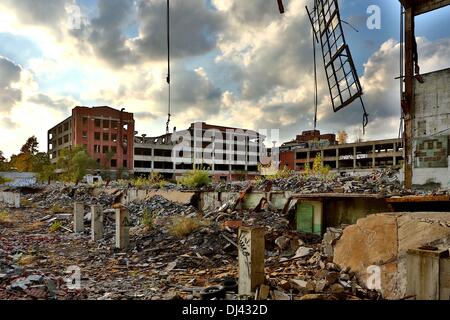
pixel 194 29
pixel 145 115
pixel 9 76
pixel 43 12
pixel 57 104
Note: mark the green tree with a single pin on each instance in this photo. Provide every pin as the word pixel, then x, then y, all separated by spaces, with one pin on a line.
pixel 31 146
pixel 74 164
pixel 4 164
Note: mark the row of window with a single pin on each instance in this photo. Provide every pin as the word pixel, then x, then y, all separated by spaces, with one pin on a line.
pixel 105 124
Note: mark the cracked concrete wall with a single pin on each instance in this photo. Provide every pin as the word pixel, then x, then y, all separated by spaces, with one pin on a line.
pixel 383 240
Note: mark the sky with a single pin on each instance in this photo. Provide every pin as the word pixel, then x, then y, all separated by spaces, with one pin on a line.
pixel 234 63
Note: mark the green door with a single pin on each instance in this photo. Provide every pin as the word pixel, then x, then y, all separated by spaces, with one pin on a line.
pixel 305 218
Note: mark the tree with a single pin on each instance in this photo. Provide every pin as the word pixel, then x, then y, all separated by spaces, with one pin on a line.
pixel 342 137
pixel 4 164
pixel 74 164
pixel 31 146
pixel 28 157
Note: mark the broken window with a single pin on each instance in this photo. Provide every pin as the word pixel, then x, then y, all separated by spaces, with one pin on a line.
pixel 66 138
pixel 85 135
pixel 97 123
pixel 114 124
pixel 114 150
pixel 105 124
pixel 105 136
pixel 97 135
pixel 113 163
pixel 96 148
pixel 343 81
pixel 114 137
pixel 105 149
pixel 125 163
pixel 60 141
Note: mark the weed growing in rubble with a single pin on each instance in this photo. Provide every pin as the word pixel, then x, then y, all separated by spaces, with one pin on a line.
pixel 195 179
pixel 184 226
pixel 148 219
pixel 26 260
pixel 318 169
pixel 4 180
pixel 4 218
pixel 55 227
pixel 155 180
pixel 57 209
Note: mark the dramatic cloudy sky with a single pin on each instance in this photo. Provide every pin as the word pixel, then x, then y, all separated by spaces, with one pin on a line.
pixel 235 62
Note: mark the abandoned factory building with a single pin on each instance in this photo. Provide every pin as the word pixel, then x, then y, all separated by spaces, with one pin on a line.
pixel 106 133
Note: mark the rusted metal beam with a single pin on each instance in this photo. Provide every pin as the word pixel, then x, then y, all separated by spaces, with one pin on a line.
pixel 424 6
pixel 409 105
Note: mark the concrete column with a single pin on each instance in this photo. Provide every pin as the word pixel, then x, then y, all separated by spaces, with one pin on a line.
pixel 337 158
pixel 308 157
pixel 122 229
pixel 96 223
pixel 17 200
pixel 78 217
pixel 354 157
pixel 373 156
pixel 251 260
pixel 322 155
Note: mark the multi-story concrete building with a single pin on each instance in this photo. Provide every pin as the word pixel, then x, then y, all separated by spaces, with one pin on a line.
pixel 349 157
pixel 228 153
pixel 106 133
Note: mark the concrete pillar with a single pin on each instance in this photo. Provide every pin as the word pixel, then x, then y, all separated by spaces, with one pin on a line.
pixel 251 260
pixel 17 200
pixel 122 229
pixel 322 155
pixel 96 223
pixel 373 156
pixel 354 157
pixel 78 217
pixel 337 158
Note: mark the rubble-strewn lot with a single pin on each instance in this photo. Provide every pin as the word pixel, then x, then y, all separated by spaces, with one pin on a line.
pixel 175 251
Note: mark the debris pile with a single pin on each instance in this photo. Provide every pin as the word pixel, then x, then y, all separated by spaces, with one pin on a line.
pixel 383 182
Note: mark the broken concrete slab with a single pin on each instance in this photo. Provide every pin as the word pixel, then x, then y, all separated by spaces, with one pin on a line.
pixel 381 241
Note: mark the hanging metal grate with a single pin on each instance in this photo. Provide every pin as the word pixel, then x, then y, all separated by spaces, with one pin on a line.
pixel 343 80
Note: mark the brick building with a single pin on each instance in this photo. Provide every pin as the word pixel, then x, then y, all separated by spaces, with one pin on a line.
pixel 106 133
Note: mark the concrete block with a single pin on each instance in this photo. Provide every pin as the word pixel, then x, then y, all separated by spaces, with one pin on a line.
pixel 96 223
pixel 122 229
pixel 78 217
pixel 251 260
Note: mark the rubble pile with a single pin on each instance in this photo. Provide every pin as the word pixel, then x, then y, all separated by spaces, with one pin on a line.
pixel 63 196
pixel 160 206
pixel 379 182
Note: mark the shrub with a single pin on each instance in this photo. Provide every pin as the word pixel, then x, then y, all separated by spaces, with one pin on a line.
pixel 4 180
pixel 148 219
pixel 55 227
pixel 154 180
pixel 27 260
pixel 4 218
pixel 58 209
pixel 196 178
pixel 184 226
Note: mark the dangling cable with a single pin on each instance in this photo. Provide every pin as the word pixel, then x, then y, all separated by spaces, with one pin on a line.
pixel 316 94
pixel 168 67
